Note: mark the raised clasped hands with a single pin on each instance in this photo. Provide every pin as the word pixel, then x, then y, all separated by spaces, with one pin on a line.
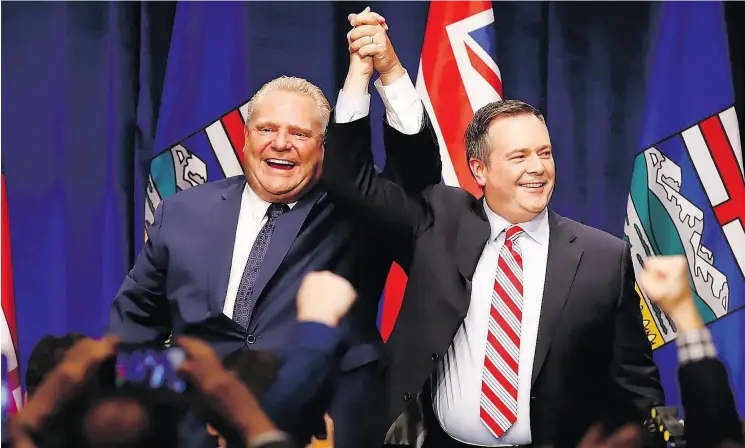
pixel 370 50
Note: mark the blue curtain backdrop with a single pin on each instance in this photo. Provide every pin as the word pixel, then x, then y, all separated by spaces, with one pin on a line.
pixel 92 91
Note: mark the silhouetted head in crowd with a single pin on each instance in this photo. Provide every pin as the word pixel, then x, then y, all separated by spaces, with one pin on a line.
pixel 127 421
pixel 45 356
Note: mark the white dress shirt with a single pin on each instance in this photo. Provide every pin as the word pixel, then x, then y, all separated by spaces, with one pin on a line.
pixel 457 391
pixel 404 112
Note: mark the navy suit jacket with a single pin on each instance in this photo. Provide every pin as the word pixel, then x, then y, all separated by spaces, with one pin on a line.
pixel 179 281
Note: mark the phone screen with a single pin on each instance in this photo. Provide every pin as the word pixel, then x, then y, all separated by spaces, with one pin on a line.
pixel 150 368
pixel 6 397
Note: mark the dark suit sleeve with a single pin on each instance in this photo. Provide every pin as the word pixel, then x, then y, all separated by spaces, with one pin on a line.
pixel 140 310
pixel 350 176
pixel 711 415
pixel 634 368
pixel 412 161
pixel 291 402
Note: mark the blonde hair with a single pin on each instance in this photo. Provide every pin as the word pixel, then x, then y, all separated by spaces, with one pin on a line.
pixel 295 85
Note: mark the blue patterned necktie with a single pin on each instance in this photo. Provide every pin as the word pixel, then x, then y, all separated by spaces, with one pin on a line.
pixel 244 300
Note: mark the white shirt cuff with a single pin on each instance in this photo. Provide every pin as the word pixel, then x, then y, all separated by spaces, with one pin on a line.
pixel 403 106
pixel 350 107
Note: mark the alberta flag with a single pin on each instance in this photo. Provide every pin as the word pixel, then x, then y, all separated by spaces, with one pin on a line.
pixel 687 194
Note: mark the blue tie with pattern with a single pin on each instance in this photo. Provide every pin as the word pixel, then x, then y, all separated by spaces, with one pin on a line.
pixel 243 300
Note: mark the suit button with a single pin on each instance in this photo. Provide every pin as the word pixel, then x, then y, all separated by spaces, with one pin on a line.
pixel 435 356
pixel 251 339
pixel 407 396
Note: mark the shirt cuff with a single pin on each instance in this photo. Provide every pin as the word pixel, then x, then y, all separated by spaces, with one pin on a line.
pixel 266 438
pixel 403 106
pixel 351 106
pixel 695 345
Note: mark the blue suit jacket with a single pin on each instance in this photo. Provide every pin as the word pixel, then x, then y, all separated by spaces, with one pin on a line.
pixel 179 282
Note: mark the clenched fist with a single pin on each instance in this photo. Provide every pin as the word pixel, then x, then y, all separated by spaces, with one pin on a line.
pixel 665 281
pixel 324 297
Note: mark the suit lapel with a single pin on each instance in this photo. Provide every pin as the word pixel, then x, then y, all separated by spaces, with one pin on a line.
pixel 473 233
pixel 286 230
pixel 563 258
pixel 224 222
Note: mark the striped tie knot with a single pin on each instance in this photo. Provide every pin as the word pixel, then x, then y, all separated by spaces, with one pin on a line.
pixel 514 232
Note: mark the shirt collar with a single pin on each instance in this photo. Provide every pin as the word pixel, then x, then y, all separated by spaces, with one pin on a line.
pixel 537 228
pixel 257 207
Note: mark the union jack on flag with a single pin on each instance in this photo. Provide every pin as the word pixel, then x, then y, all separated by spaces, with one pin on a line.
pixel 457 76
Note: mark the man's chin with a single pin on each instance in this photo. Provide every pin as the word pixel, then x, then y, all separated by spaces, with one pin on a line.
pixel 288 193
pixel 535 207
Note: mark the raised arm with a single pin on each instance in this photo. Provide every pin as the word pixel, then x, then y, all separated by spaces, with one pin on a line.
pixel 292 401
pixel 412 156
pixel 348 170
pixel 351 179
pixel 140 310
pixel 705 392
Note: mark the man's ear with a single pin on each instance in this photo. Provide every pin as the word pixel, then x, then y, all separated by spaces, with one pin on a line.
pixel 478 170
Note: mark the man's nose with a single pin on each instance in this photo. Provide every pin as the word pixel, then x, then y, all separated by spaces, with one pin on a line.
pixel 282 141
pixel 535 165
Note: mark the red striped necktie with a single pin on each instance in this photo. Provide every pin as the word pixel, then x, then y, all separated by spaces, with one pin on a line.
pixel 499 377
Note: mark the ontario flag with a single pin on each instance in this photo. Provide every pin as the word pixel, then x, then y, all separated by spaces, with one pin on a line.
pixel 687 194
pixel 457 76
pixel 8 334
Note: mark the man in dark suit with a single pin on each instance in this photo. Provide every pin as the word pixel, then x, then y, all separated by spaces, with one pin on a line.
pixel 524 325
pixel 224 260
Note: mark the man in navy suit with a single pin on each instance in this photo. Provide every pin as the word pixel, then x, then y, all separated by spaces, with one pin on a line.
pixel 224 260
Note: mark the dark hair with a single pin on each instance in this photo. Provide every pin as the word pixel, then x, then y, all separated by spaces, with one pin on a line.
pixel 477 132
pixel 255 369
pixel 45 356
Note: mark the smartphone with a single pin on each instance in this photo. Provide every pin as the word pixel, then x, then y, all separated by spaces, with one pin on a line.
pixel 6 397
pixel 150 368
pixel 6 388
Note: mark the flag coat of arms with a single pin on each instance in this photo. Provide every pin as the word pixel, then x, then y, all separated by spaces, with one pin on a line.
pixel 667 216
pixel 214 152
pixel 687 193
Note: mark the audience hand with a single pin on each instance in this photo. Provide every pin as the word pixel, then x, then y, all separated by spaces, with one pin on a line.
pixel 84 355
pixel 222 391
pixel 665 281
pixel 64 380
pixel 324 297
